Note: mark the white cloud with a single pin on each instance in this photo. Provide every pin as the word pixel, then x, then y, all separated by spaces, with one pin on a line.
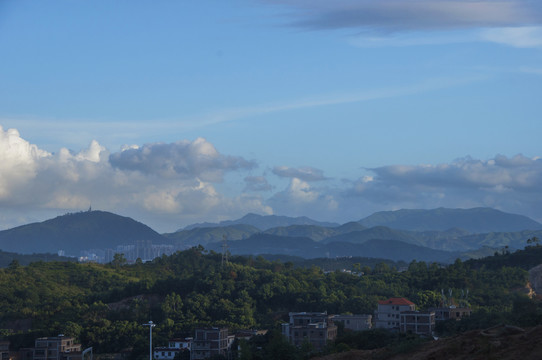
pixel 508 183
pixel 520 37
pixel 302 199
pixel 173 180
pixel 18 161
pixel 170 185
pixel 303 173
pixel 421 22
pixel 183 159
pixel 257 183
pixel 300 191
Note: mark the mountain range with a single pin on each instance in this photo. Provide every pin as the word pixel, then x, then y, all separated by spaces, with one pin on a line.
pixel 264 222
pixel 475 220
pixel 429 235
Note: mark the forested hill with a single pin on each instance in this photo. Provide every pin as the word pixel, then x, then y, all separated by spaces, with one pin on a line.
pixel 75 232
pixel 104 305
pixel 475 220
pixel 7 258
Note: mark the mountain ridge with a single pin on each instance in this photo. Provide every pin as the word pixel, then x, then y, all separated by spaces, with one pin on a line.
pixel 475 220
pixel 265 222
pixel 103 230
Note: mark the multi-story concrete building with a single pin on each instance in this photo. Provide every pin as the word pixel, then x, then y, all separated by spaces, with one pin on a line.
pixel 313 327
pixel 417 322
pixel 209 342
pixel 354 322
pixel 451 312
pixel 57 348
pixel 388 313
pixel 175 347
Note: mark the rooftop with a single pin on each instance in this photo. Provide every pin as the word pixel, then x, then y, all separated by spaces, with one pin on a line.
pixel 396 301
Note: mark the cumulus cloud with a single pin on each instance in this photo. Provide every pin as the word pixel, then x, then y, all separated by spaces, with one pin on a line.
pixel 170 185
pixel 519 173
pixel 183 159
pixel 302 199
pixel 302 173
pixel 508 183
pixel 257 183
pixel 18 161
pixel 172 180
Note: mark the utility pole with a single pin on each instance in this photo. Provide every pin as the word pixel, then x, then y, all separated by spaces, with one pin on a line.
pixel 150 324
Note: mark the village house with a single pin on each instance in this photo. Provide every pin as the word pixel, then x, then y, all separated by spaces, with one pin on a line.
pixel 174 348
pixel 417 322
pixel 388 313
pixel 209 342
pixel 58 348
pixel 312 327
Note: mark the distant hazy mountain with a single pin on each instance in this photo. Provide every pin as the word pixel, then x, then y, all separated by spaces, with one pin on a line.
pixel 316 233
pixel 205 235
pixel 476 220
pixel 377 232
pixel 75 232
pixel 307 248
pixel 450 240
pixel 264 222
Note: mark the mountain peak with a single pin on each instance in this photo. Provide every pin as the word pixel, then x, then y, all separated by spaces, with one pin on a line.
pixel 78 231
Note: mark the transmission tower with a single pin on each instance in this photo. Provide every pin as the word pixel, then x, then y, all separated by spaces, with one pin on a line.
pixel 224 250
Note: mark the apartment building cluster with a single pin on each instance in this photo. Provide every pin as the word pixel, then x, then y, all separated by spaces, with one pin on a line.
pixel 396 314
pixel 47 348
pixel 144 250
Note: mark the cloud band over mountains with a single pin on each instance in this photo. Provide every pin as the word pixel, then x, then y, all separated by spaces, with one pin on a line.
pixel 186 182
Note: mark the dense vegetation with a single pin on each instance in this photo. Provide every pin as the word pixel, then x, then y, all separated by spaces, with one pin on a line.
pixel 7 258
pixel 104 305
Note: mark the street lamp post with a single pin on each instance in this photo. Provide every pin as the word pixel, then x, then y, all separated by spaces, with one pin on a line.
pixel 150 324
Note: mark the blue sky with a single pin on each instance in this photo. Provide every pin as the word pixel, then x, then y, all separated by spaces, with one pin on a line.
pixel 175 112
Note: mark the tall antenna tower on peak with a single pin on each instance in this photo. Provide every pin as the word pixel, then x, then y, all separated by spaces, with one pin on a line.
pixel 224 250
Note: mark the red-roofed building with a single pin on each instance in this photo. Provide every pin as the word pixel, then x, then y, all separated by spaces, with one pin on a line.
pixel 388 314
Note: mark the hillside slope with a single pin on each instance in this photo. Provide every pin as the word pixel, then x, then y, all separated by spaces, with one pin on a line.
pixel 76 232
pixel 475 345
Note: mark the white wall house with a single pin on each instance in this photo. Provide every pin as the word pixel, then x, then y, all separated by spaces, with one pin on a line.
pixel 388 314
